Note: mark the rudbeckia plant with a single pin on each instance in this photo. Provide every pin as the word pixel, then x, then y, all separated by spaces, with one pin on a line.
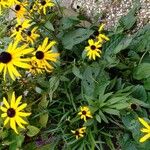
pixel 71 82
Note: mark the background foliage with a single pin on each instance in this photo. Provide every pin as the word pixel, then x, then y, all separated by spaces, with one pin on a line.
pixel 116 87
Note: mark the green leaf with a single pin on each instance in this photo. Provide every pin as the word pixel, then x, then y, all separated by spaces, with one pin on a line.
pixel 140 93
pixel 142 71
pixel 127 22
pixel 76 72
pixel 140 42
pixel 111 111
pixel 43 119
pixel 103 116
pixel 53 85
pixel 147 84
pixel 73 38
pixel 68 22
pixel 98 118
pixel 120 106
pixel 124 43
pixel 32 131
pixel 49 26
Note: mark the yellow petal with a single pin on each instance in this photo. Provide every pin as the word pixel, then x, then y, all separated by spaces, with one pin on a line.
pixel 101 27
pixel 5 102
pixel 52 43
pixel 73 131
pixel 91 42
pixel 12 102
pixel 22 107
pixel 4 115
pixel 13 125
pixel 18 101
pixel 144 123
pixel 22 65
pixel 19 119
pixel 145 130
pixel 5 70
pixel 1 67
pixel 104 37
pixel 44 43
pixel 3 109
pixel 19 124
pixel 24 114
pixel 15 72
pixel 6 121
pixel 144 138
pixel 11 73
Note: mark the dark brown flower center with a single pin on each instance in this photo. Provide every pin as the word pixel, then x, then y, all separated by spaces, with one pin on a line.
pixel 83 112
pixel 77 132
pixel 93 47
pixel 133 106
pixel 29 33
pixel 11 112
pixel 5 57
pixel 39 55
pixel 43 3
pixel 17 7
pixel 18 27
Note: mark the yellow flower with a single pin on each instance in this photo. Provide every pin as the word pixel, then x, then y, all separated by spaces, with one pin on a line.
pixel 93 49
pixel 145 130
pixel 13 112
pixel 20 10
pixel 79 132
pixel 17 32
pixel 34 69
pixel 85 113
pixel 13 57
pixel 101 37
pixel 44 4
pixel 34 7
pixel 43 55
pixel 32 35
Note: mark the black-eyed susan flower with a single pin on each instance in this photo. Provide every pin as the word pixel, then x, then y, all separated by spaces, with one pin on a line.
pixel 43 55
pixel 85 113
pixel 93 50
pixel 79 132
pixel 101 37
pixel 20 27
pixel 31 36
pixel 12 58
pixel 145 130
pixel 34 7
pixel 13 112
pixel 34 69
pixel 20 10
pixel 44 4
